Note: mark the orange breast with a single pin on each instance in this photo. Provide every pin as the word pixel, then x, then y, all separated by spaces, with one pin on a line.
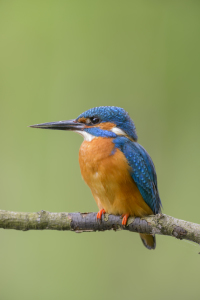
pixel 109 179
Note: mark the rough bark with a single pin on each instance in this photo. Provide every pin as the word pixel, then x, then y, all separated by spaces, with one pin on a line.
pixel 86 222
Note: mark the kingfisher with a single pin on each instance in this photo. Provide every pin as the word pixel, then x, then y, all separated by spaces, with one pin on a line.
pixel 118 170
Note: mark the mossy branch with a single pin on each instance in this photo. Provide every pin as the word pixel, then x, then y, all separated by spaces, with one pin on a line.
pixel 85 222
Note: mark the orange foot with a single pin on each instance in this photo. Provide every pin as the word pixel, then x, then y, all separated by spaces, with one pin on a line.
pixel 100 213
pixel 125 219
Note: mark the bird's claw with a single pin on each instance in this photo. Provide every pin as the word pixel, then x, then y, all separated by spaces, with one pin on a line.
pixel 124 219
pixel 100 213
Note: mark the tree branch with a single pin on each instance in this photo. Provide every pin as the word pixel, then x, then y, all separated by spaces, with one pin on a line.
pixel 85 222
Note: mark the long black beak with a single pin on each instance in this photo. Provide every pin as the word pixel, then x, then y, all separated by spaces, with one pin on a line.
pixel 61 125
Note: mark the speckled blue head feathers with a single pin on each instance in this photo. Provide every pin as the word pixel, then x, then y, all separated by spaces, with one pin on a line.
pixel 115 115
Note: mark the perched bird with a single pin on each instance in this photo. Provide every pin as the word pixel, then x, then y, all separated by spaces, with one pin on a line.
pixel 118 170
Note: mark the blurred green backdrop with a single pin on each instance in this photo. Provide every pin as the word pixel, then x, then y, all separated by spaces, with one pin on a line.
pixel 58 59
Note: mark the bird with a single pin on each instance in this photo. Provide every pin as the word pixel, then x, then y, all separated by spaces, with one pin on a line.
pixel 118 170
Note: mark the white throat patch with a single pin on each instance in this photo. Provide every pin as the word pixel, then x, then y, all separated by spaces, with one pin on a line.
pixel 87 136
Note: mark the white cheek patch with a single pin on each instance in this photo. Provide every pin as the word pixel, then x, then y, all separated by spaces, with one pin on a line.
pixel 87 136
pixel 118 131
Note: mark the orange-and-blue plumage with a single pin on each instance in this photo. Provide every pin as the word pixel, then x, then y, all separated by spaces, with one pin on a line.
pixel 118 170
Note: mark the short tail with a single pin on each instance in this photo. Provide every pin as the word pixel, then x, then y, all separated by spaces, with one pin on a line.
pixel 148 240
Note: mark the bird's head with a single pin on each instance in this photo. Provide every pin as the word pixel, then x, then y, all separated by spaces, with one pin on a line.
pixel 102 121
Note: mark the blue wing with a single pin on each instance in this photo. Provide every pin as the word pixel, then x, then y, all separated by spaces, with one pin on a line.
pixel 143 171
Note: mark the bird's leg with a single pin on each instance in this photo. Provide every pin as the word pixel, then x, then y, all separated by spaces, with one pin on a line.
pixel 125 219
pixel 100 213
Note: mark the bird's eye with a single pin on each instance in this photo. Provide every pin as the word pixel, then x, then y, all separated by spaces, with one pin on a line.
pixel 94 120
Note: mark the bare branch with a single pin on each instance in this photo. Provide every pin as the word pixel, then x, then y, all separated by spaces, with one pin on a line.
pixel 85 222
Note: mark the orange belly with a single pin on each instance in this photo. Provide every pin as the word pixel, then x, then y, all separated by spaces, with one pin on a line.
pixel 108 176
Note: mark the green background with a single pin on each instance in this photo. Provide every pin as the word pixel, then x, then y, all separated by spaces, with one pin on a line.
pixel 58 59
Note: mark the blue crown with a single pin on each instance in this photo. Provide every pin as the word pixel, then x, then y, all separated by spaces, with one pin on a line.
pixel 113 114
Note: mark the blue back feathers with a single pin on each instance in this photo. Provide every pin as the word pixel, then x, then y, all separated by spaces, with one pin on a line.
pixel 142 171
pixel 113 114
